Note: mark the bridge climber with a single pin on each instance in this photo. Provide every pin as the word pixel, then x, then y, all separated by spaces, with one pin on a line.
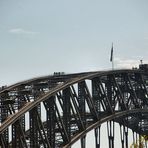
pixel 58 110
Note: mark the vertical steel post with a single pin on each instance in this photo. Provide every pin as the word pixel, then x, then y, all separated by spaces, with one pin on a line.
pixel 82 109
pixel 83 142
pixel 124 136
pixel 111 133
pixel 4 115
pixel 95 96
pixel 15 136
pixel 66 111
pixel 50 118
pixel 82 101
pixel 133 138
pixel 97 136
pixel 34 139
pixel 2 142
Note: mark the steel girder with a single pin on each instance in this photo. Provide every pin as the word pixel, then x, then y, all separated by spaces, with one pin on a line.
pixel 56 111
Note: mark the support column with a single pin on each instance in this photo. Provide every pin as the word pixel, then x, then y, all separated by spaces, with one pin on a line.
pixel 82 108
pixel 4 115
pixel 82 101
pixel 95 96
pixel 15 136
pixel 67 111
pixel 83 142
pixel 34 135
pixel 2 142
pixel 124 136
pixel 111 133
pixel 134 139
pixel 97 137
pixel 50 118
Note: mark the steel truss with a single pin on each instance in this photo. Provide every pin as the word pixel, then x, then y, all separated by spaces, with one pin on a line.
pixel 58 110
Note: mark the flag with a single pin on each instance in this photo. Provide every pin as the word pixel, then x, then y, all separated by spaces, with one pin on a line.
pixel 111 56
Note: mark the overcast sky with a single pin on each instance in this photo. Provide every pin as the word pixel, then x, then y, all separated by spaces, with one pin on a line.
pixel 39 37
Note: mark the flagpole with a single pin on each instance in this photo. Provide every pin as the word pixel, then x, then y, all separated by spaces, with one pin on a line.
pixel 112 58
pixel 112 64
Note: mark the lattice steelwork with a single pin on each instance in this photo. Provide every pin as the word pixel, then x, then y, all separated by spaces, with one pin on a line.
pixel 57 110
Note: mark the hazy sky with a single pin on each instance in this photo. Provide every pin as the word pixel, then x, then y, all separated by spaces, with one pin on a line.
pixel 39 37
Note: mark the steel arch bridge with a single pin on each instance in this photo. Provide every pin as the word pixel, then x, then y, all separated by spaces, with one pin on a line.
pixel 57 110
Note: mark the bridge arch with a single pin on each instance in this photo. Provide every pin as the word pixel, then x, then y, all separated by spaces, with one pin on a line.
pixel 111 93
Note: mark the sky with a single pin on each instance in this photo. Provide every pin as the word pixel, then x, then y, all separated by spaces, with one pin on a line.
pixel 40 37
